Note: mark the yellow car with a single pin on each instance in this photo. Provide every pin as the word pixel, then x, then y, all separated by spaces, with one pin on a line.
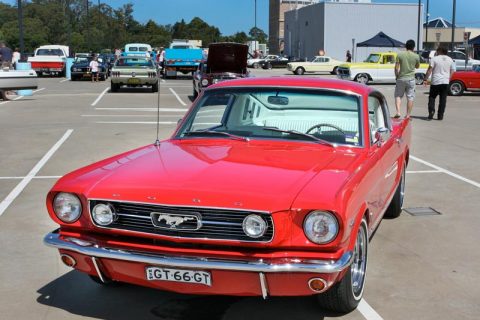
pixel 318 64
pixel 379 67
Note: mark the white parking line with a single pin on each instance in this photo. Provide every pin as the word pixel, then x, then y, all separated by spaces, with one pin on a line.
pixel 137 122
pixel 146 109
pixel 367 311
pixel 450 173
pixel 178 98
pixel 25 181
pixel 36 177
pixel 64 80
pixel 125 115
pixel 100 97
pixel 424 171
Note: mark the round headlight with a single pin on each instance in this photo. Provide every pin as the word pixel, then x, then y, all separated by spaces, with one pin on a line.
pixel 104 214
pixel 320 227
pixel 204 82
pixel 254 226
pixel 67 207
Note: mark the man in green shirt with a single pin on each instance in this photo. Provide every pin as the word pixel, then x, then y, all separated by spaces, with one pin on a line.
pixel 405 74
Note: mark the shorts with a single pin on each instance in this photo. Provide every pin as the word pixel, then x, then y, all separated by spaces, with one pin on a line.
pixel 405 87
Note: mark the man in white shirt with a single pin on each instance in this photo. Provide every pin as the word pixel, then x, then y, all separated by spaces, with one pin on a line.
pixel 15 57
pixel 94 69
pixel 441 68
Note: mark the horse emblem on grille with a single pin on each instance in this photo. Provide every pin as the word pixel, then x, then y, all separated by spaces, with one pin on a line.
pixel 174 221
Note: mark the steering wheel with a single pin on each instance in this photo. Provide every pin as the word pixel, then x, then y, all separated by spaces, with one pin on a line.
pixel 317 126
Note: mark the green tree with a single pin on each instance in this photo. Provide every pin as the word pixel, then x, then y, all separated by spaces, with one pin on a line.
pixel 258 34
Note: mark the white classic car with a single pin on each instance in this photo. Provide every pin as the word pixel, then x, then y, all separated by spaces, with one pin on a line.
pixel 11 80
pixel 318 64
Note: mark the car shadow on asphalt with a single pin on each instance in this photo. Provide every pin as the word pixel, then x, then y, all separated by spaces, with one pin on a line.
pixel 75 293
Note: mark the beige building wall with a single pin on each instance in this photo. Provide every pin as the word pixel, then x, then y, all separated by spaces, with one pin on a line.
pixel 277 9
pixel 437 36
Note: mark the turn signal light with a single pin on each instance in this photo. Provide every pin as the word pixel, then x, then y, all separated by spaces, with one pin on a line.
pixel 317 285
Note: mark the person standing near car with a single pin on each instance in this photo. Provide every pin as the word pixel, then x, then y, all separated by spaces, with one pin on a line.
pixel 15 57
pixel 5 56
pixel 94 69
pixel 405 65
pixel 441 68
pixel 348 56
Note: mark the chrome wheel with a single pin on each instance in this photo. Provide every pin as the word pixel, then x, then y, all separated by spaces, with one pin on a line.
pixel 419 79
pixel 362 78
pixel 456 88
pixel 358 268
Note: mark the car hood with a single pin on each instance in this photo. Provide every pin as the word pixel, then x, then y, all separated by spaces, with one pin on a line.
pixel 222 173
pixel 227 57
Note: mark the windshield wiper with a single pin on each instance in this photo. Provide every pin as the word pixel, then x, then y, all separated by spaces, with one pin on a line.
pixel 212 132
pixel 298 133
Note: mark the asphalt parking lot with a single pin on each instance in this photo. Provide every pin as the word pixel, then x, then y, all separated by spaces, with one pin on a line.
pixel 420 267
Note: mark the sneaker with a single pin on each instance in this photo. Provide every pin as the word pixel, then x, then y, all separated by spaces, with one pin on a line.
pixel 440 117
pixel 397 116
pixel 430 116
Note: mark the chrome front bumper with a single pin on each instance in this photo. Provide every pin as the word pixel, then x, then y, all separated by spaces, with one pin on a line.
pixel 92 249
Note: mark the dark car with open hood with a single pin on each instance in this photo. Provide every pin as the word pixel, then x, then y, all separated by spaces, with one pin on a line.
pixel 226 61
pixel 81 68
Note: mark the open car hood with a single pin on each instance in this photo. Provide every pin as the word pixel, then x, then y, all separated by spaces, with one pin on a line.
pixel 227 57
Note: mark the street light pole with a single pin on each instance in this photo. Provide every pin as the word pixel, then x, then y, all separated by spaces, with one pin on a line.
pixel 20 27
pixel 453 24
pixel 255 32
pixel 426 24
pixel 418 25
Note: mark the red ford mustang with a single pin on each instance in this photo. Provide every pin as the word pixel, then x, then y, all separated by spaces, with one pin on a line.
pixel 268 187
pixel 465 81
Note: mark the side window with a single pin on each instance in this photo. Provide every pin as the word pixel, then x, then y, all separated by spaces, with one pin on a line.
pixel 376 116
pixel 326 59
pixel 320 60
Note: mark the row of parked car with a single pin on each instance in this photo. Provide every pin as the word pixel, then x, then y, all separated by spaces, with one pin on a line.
pixel 228 61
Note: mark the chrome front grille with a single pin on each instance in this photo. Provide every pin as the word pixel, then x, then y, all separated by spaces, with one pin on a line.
pixel 216 224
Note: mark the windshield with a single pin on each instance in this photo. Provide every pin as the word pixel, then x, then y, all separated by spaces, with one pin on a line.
pixel 136 62
pixel 181 46
pixel 49 52
pixel 373 58
pixel 286 114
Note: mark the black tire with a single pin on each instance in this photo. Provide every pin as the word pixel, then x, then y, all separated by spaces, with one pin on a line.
pixel 114 87
pixel 362 78
pixel 345 295
pixel 395 207
pixel 268 66
pixel 195 93
pixel 419 77
pixel 456 88
pixel 334 71
pixel 299 71
pixel 155 87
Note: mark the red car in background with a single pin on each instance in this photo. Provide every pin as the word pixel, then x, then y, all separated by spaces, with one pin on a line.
pixel 462 81
pixel 268 187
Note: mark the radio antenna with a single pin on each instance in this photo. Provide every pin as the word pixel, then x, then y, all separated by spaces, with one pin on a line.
pixel 157 142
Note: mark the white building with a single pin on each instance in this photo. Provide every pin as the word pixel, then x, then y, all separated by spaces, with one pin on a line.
pixel 336 27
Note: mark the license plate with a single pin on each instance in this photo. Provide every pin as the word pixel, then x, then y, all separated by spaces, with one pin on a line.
pixel 179 275
pixel 133 81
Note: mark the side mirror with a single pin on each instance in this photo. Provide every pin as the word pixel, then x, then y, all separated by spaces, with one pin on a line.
pixel 381 135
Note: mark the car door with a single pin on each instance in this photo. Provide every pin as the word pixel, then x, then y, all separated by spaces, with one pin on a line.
pixel 318 65
pixel 386 68
pixel 389 149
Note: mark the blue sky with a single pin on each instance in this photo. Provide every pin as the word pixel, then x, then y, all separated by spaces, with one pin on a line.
pixel 231 16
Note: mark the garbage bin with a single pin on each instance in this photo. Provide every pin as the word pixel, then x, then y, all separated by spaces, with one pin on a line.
pixel 68 73
pixel 24 66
